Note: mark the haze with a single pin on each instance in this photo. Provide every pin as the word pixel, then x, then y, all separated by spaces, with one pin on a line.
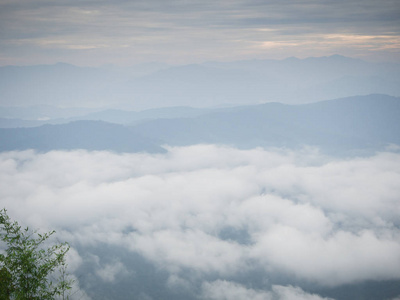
pixel 207 150
pixel 94 33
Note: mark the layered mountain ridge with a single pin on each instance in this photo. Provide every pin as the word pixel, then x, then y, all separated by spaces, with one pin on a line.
pixel 347 125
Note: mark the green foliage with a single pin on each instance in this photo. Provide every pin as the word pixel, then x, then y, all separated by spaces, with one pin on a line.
pixel 26 264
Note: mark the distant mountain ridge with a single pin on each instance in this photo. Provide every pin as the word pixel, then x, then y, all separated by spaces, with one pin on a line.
pixel 88 135
pixel 353 125
pixel 350 124
pixel 208 84
pixel 36 116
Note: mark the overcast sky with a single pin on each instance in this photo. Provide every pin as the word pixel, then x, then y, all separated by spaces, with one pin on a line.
pixel 177 31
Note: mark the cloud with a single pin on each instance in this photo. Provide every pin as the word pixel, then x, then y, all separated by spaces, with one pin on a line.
pixel 109 272
pixel 225 290
pixel 99 32
pixel 294 293
pixel 218 211
pixel 76 292
pixel 335 260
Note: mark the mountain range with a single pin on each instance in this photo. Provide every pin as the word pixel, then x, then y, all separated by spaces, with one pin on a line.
pixel 208 84
pixel 351 126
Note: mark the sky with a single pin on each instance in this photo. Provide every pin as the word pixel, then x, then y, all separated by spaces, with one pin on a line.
pixel 120 32
pixel 311 218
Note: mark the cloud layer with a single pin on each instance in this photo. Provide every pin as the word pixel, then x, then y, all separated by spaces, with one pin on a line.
pixel 219 290
pixel 99 32
pixel 218 211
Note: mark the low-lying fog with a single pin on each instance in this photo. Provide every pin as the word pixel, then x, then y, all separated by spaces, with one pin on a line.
pixel 215 222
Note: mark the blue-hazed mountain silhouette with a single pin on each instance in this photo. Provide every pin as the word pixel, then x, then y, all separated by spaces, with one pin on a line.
pixel 342 126
pixel 208 84
pixel 349 124
pixel 89 135
pixel 36 116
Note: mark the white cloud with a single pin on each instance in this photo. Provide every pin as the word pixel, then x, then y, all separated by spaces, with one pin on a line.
pixel 225 290
pixel 218 210
pixel 109 272
pixel 294 293
pixel 337 259
pixel 190 249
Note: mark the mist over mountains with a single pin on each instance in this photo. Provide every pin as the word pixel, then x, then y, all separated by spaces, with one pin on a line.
pixel 348 126
pixel 86 135
pixel 215 222
pixel 208 84
pixel 263 179
pixel 356 123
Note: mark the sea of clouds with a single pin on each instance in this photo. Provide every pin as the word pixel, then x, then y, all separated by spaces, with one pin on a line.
pixel 219 211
